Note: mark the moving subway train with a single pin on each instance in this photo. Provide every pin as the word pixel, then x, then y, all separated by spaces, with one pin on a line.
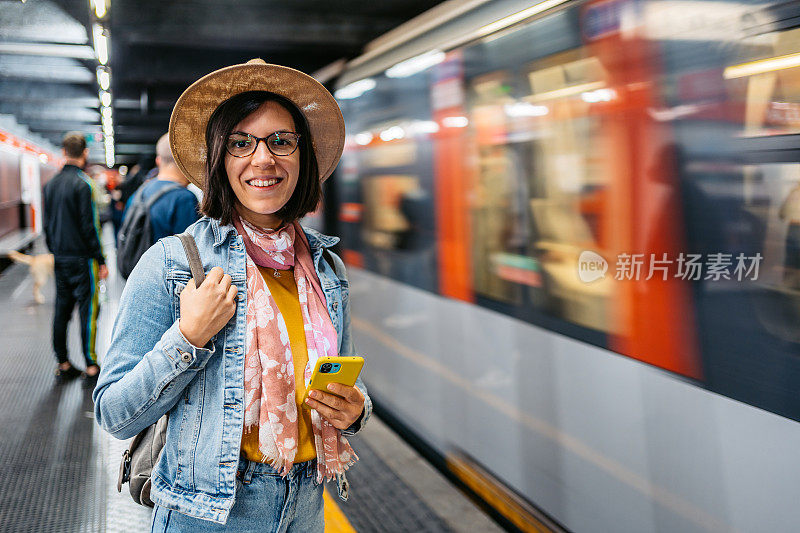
pixel 573 229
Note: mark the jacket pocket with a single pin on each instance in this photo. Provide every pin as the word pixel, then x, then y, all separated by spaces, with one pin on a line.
pixel 177 282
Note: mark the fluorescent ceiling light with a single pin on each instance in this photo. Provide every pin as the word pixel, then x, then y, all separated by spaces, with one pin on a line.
pixel 106 112
pixel 455 122
pixel 517 17
pixel 77 51
pixel 416 64
pixel 598 95
pixel 423 127
pixel 103 78
pixel 524 109
pixel 390 134
pixel 355 89
pixel 105 98
pixel 100 8
pixel 363 138
pixel 567 91
pixel 762 66
pixel 100 43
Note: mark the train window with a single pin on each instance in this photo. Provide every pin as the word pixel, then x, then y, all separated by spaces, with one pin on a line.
pixel 497 207
pixel 537 197
pixel 567 205
pixel 386 192
pixel 384 223
pixel 766 77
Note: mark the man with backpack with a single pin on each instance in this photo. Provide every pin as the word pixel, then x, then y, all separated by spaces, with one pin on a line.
pixel 161 207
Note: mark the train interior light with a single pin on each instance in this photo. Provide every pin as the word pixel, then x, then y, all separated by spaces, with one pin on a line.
pixel 417 64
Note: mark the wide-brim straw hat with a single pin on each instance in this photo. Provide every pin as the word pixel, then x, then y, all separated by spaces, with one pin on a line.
pixel 187 125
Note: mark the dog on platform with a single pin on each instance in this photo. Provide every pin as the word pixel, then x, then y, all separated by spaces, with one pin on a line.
pixel 41 267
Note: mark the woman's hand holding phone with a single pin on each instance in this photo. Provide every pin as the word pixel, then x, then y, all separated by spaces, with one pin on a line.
pixel 341 408
pixel 206 309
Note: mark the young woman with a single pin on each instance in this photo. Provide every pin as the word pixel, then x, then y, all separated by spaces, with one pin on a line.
pixel 229 360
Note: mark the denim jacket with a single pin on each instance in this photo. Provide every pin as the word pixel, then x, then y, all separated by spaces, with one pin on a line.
pixel 151 369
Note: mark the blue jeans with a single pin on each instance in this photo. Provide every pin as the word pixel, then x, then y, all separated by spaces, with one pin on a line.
pixel 264 502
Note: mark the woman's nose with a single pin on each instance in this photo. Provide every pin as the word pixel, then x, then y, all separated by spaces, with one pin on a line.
pixel 262 157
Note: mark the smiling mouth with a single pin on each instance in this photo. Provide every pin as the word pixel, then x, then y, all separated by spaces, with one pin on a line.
pixel 263 183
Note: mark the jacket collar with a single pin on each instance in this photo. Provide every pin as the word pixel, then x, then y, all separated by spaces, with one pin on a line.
pixel 316 240
pixel 221 232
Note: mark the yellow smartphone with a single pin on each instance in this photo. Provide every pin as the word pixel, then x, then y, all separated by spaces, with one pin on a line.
pixel 344 370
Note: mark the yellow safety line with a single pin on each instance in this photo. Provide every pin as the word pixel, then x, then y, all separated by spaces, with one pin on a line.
pixel 335 520
pixel 496 495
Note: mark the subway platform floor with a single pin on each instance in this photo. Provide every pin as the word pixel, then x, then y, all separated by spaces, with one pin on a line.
pixel 58 469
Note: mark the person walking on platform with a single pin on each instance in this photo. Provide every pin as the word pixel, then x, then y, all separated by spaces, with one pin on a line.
pixel 72 233
pixel 229 360
pixel 176 210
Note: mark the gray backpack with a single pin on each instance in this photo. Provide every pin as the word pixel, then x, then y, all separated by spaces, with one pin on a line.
pixel 145 448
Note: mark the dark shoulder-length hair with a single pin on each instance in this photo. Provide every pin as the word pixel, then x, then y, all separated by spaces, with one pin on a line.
pixel 218 197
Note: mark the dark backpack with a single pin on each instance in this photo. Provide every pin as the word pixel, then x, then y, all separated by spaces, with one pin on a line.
pixel 135 235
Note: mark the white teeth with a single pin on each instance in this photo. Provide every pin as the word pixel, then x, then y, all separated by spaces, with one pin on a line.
pixel 263 183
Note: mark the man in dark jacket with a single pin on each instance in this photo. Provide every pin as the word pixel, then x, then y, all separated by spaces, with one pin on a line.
pixel 72 231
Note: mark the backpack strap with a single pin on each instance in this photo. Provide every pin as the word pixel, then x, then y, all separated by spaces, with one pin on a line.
pixel 195 265
pixel 164 190
pixel 136 197
pixel 329 259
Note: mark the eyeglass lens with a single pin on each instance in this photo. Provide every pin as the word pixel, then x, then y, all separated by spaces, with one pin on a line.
pixel 279 143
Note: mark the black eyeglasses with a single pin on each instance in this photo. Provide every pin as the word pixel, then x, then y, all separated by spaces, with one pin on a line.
pixel 280 143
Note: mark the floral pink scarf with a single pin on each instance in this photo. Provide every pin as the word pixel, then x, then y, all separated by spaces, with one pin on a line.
pixel 269 384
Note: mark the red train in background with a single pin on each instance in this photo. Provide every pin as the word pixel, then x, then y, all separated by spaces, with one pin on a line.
pixel 24 169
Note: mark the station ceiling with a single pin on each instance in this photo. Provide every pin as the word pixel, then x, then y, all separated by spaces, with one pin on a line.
pixel 48 78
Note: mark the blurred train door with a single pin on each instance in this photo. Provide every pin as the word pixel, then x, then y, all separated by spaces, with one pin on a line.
pixel 652 310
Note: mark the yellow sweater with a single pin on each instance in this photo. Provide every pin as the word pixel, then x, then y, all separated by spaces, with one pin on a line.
pixel 284 291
